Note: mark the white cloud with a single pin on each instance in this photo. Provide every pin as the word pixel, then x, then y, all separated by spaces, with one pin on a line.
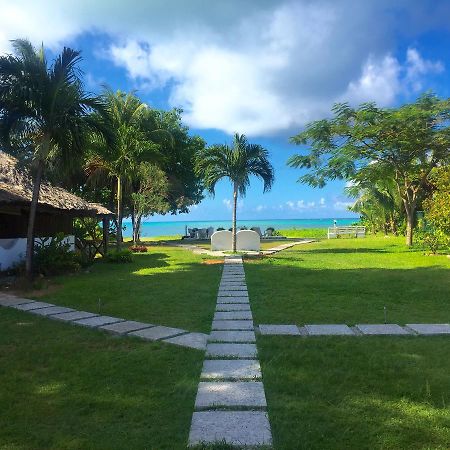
pixel 322 202
pixel 273 67
pixel 342 205
pixel 260 208
pixel 301 205
pixel 229 204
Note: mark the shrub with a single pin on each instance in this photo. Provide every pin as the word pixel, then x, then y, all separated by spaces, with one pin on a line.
pixel 432 239
pixel 139 249
pixel 119 256
pixel 53 256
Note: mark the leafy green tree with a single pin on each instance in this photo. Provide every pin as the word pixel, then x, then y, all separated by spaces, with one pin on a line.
pixel 45 115
pixel 237 163
pixel 404 144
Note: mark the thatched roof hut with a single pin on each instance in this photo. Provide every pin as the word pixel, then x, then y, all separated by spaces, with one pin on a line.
pixel 16 189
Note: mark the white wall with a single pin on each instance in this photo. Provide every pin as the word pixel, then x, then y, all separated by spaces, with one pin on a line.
pixel 13 251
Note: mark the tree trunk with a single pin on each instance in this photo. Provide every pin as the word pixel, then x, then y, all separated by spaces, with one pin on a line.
pixel 32 220
pixel 119 213
pixel 393 225
pixel 409 209
pixel 235 195
pixel 137 228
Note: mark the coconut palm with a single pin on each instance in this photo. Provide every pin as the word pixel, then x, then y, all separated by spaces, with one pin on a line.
pixel 44 113
pixel 237 163
pixel 136 135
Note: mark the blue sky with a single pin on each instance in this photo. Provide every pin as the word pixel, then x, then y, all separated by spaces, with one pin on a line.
pixel 263 67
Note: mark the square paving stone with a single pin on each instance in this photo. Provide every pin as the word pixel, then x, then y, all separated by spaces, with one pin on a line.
pixel 33 305
pixel 232 336
pixel 232 300
pixel 231 350
pixel 430 328
pixel 13 301
pixel 230 393
pixel 231 287
pixel 279 329
pixel 238 428
pixel 233 315
pixel 97 321
pixel 191 340
pixel 232 369
pixel 329 330
pixel 75 315
pixel 390 328
pixel 159 332
pixel 126 327
pixel 233 307
pixel 51 310
pixel 232 325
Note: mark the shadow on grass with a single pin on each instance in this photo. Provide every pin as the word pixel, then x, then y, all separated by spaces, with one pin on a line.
pixel 368 393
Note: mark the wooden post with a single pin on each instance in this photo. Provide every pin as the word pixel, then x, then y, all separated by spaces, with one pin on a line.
pixel 105 224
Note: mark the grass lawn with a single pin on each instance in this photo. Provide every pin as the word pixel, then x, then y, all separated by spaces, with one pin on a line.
pixel 66 387
pixel 350 281
pixel 357 393
pixel 166 286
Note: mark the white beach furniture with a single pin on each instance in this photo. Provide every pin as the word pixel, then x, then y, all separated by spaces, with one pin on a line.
pixel 246 240
pixel 355 231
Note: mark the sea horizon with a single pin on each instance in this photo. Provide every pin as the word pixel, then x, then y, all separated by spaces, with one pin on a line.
pixel 178 227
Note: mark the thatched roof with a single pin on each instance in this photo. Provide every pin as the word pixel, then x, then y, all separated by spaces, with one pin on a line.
pixel 16 189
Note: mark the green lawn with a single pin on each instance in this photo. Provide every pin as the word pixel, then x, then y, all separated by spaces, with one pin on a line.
pixel 66 387
pixel 167 286
pixel 357 393
pixel 350 281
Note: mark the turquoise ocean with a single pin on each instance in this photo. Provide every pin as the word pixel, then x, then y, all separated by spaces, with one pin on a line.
pixel 152 229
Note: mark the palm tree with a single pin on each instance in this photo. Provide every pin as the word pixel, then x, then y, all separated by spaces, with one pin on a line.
pixel 45 112
pixel 134 128
pixel 237 163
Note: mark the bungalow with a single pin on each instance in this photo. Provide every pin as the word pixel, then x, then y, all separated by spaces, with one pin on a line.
pixel 56 211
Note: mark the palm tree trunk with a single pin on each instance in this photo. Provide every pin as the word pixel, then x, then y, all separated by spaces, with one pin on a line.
pixel 32 220
pixel 119 213
pixel 235 195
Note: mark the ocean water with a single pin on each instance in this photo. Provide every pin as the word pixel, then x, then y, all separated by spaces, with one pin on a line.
pixel 152 229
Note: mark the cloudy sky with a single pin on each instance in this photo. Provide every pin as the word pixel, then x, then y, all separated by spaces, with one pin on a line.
pixel 260 67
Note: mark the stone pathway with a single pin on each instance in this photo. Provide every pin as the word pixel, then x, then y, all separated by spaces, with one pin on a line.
pixel 114 325
pixel 231 404
pixel 425 329
pixel 279 248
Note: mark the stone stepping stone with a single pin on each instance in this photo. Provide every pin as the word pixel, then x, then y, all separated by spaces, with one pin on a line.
pixel 159 332
pixel 231 369
pixel 232 325
pixel 221 300
pixel 231 350
pixel 390 328
pixel 230 393
pixel 233 307
pixel 32 305
pixel 329 330
pixel 75 315
pixel 233 315
pixel 97 321
pixel 232 294
pixel 51 310
pixel 13 301
pixel 191 340
pixel 232 336
pixel 291 330
pixel 238 428
pixel 231 287
pixel 429 328
pixel 126 326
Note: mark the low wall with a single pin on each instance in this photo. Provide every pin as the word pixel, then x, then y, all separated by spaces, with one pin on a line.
pixel 12 251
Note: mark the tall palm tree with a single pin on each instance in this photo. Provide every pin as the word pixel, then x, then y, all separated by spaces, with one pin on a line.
pixel 136 133
pixel 45 112
pixel 237 163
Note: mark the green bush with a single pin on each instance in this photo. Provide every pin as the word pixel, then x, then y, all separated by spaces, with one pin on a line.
pixel 432 239
pixel 53 256
pixel 119 256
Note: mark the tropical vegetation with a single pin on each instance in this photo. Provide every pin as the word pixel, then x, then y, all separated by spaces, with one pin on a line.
pixel 238 163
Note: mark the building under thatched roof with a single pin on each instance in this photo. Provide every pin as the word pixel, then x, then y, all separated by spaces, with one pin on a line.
pixel 56 210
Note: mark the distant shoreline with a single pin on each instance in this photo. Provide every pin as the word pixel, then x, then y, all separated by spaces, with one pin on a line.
pixel 177 227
